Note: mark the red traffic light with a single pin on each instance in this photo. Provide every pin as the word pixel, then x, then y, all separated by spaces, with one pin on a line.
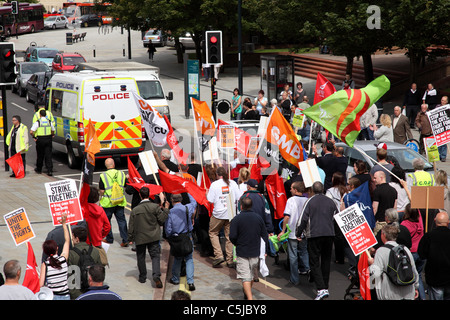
pixel 8 53
pixel 213 39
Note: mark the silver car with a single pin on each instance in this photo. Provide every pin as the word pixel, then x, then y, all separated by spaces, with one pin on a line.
pixel 24 71
pixel 403 154
pixel 54 22
pixel 157 37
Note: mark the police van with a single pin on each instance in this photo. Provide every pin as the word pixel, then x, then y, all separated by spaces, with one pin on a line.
pixel 106 100
pixel 147 78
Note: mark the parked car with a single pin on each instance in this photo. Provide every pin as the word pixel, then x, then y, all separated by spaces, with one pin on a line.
pixel 43 54
pixel 24 71
pixel 403 154
pixel 36 86
pixel 54 22
pixel 66 62
pixel 89 20
pixel 186 41
pixel 157 37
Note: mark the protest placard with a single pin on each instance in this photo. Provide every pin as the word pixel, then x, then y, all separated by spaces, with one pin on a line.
pixel 355 228
pixel 299 118
pixel 148 162
pixel 227 137
pixel 310 172
pixel 62 198
pixel 440 124
pixel 252 149
pixel 19 226
pixel 431 149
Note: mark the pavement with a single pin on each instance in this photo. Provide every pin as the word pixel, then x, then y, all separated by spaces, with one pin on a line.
pixel 122 273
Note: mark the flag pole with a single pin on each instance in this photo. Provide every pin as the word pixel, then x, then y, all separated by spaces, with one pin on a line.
pixel 376 162
pixel 199 146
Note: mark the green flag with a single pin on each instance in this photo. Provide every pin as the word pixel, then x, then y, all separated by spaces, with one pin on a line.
pixel 340 112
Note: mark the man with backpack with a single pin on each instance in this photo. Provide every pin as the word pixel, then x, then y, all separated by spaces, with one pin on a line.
pixel 81 257
pixel 111 188
pixel 393 268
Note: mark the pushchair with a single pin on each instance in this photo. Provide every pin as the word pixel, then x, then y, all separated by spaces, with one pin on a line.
pixel 353 291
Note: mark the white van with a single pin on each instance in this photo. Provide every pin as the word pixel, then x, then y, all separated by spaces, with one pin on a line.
pixel 104 98
pixel 147 78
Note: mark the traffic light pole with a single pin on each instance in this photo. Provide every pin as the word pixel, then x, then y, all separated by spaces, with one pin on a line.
pixel 213 81
pixel 5 126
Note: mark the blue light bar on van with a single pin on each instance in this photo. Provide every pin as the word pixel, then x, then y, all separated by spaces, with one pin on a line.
pixel 123 87
pixel 97 89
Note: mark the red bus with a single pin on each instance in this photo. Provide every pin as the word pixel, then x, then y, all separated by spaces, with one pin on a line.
pixel 73 10
pixel 29 19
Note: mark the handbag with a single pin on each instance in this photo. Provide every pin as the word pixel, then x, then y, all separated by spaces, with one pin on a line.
pixel 181 244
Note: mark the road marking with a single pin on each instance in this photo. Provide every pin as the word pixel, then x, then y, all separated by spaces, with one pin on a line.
pixel 15 104
pixel 268 284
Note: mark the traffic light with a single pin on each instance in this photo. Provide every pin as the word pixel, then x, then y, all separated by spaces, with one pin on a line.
pixel 14 7
pixel 214 95
pixel 7 63
pixel 214 47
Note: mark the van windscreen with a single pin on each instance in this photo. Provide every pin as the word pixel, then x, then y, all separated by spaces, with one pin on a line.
pixel 149 89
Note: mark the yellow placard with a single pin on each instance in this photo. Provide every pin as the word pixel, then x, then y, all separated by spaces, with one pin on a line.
pixel 227 137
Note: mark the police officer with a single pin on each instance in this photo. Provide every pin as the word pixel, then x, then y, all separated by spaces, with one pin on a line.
pixel 420 177
pixel 17 139
pixel 48 114
pixel 42 131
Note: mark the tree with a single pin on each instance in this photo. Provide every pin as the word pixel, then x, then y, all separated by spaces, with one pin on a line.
pixel 417 24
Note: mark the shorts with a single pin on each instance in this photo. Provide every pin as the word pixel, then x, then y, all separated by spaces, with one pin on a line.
pixel 245 268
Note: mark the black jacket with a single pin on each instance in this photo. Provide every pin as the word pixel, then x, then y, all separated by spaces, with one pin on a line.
pixel 317 217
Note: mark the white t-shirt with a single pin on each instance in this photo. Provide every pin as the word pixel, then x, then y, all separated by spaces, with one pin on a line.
pixel 294 208
pixel 402 196
pixel 218 194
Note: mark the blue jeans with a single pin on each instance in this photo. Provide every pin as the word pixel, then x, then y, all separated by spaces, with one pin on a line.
pixel 119 213
pixel 65 297
pixel 419 266
pixel 442 152
pixel 176 268
pixel 298 258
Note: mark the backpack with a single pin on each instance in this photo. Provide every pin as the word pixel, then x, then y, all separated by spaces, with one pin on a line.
pixel 399 270
pixel 116 192
pixel 84 263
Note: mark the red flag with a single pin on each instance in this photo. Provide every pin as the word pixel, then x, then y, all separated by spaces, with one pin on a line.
pixel 277 194
pixel 16 164
pixel 324 88
pixel 137 182
pixel 205 183
pixel 364 276
pixel 173 144
pixel 31 280
pixel 84 194
pixel 175 184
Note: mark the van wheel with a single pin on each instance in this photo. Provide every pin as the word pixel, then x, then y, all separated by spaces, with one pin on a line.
pixel 72 160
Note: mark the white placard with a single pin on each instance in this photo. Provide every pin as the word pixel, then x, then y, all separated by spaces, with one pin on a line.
pixel 148 162
pixel 309 171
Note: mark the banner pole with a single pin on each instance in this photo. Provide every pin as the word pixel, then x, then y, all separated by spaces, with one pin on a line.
pixel 377 162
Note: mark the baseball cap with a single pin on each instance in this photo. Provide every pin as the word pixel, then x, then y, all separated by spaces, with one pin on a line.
pixel 252 183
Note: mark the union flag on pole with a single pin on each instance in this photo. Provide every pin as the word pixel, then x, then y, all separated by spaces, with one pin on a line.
pixel 280 141
pixel 277 194
pixel 324 88
pixel 137 182
pixel 173 144
pixel 31 279
pixel 364 276
pixel 204 123
pixel 340 113
pixel 92 145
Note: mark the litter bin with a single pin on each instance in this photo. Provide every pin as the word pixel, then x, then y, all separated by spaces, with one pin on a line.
pixel 69 39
